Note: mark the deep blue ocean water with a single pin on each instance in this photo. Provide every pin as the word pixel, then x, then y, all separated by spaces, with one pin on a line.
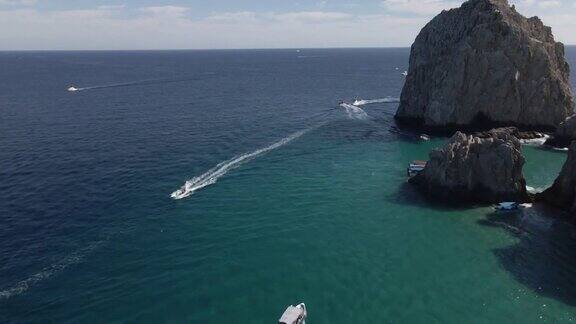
pixel 89 233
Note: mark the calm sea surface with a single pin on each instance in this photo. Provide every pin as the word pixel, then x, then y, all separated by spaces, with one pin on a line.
pixel 298 200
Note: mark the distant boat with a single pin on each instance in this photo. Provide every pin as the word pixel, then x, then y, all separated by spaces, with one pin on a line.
pixel 72 89
pixel 358 102
pixel 405 73
pixel 294 315
pixel 424 137
pixel 416 167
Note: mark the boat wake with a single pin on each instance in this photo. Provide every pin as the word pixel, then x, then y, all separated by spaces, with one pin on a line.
pixel 354 112
pixel 50 271
pixel 535 141
pixel 211 176
pixel 362 102
pixel 129 84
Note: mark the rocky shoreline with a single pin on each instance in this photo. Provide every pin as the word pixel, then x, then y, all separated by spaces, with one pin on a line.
pixel 492 79
pixel 473 169
pixel 562 194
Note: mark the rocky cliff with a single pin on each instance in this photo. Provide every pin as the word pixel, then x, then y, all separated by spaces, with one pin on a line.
pixel 474 169
pixel 563 193
pixel 484 65
pixel 565 133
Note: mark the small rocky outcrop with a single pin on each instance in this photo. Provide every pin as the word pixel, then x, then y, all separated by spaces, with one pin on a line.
pixel 563 193
pixel 474 169
pixel 484 65
pixel 565 134
pixel 521 135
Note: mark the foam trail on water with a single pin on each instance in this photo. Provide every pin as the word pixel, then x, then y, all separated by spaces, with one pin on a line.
pixel 354 112
pixel 362 102
pixel 535 141
pixel 212 175
pixel 128 84
pixel 48 272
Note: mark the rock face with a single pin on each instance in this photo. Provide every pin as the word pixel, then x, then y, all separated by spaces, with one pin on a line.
pixel 474 169
pixel 563 193
pixel 565 133
pixel 484 65
pixel 521 135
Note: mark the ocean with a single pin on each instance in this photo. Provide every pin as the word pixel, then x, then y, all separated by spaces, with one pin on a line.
pixel 290 197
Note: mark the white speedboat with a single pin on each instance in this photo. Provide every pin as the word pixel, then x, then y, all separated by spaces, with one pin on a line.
pixel 294 315
pixel 181 193
pixel 72 89
pixel 358 102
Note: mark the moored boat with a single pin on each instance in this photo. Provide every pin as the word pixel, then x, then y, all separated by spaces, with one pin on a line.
pixel 294 315
pixel 415 167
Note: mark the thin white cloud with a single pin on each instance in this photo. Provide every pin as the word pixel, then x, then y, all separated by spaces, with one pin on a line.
pixel 172 28
pixel 111 7
pixel 17 2
pixel 314 17
pixel 234 17
pixel 549 4
pixel 168 11
pixel 419 7
pixel 158 27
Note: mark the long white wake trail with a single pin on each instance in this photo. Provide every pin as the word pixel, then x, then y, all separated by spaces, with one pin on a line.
pixel 50 271
pixel 363 102
pixel 212 175
pixel 133 83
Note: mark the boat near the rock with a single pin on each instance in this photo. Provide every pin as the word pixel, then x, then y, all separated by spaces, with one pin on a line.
pixel 507 206
pixel 294 315
pixel 415 167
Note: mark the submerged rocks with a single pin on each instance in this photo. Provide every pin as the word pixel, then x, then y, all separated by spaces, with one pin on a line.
pixel 563 193
pixel 484 65
pixel 474 169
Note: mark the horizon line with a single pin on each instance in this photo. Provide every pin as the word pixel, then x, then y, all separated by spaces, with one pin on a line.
pixel 201 49
pixel 211 49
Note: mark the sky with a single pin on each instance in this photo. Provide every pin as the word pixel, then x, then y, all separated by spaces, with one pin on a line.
pixel 235 24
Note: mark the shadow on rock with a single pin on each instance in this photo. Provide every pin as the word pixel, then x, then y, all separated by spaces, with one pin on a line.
pixel 544 259
pixel 409 195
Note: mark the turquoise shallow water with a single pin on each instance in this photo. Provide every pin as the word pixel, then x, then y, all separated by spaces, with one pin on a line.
pixel 326 219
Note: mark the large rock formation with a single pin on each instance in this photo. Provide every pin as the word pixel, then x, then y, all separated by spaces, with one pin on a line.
pixel 474 169
pixel 484 65
pixel 563 193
